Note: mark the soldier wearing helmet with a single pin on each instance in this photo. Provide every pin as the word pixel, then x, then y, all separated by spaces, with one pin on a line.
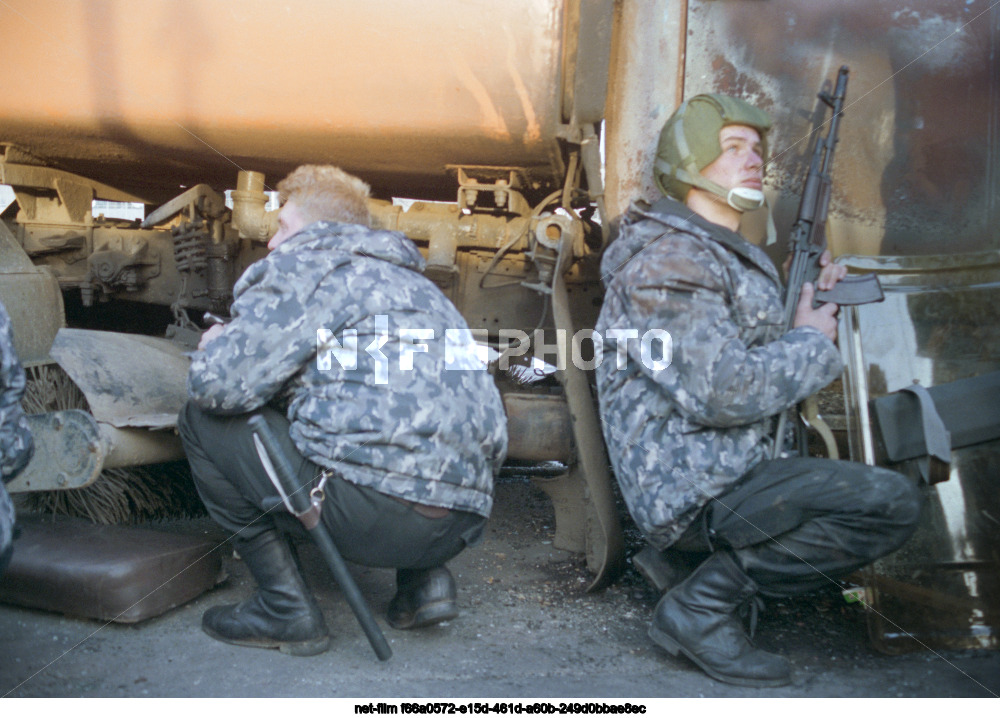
pixel 700 133
pixel 691 441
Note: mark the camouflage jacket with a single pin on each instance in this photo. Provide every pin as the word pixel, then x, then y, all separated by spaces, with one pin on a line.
pixel 377 367
pixel 16 443
pixel 680 433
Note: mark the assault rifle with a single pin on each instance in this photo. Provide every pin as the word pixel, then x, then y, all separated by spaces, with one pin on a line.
pixel 808 242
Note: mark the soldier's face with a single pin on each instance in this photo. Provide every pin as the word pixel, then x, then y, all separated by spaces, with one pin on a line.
pixel 290 220
pixel 740 164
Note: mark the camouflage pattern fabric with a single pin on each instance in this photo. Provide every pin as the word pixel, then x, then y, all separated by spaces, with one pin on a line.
pixel 16 443
pixel 681 435
pixel 402 405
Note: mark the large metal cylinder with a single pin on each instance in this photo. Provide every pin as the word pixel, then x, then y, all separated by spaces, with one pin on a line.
pixel 153 94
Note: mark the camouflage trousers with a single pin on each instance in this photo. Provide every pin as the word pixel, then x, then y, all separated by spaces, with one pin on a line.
pixel 798 524
pixel 368 527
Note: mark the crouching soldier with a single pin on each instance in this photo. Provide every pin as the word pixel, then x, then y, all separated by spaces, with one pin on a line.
pixel 367 375
pixel 691 442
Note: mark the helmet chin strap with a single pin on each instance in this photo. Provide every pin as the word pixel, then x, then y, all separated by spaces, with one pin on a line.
pixel 742 199
pixel 746 199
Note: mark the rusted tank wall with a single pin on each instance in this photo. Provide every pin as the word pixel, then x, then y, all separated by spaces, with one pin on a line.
pixel 147 95
pixel 918 167
pixel 647 70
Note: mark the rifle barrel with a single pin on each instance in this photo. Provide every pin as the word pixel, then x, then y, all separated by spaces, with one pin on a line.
pixel 808 239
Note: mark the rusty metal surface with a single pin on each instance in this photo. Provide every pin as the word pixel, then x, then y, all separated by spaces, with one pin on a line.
pixel 488 264
pixel 21 175
pixel 571 510
pixel 32 299
pixel 129 380
pixel 918 166
pixel 643 90
pixel 138 447
pixel 538 426
pixel 586 49
pixel 605 542
pixel 147 95
pixel 69 453
pixel 937 324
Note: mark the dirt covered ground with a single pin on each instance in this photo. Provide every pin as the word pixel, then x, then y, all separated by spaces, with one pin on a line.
pixel 527 629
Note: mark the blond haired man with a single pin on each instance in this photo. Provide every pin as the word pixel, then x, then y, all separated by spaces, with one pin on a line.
pixel 408 432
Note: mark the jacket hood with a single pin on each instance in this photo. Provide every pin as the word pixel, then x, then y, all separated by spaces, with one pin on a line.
pixel 673 215
pixel 393 247
pixel 628 244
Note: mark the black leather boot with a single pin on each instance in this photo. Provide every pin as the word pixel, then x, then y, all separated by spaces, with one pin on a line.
pixel 698 619
pixel 423 597
pixel 282 614
pixel 666 569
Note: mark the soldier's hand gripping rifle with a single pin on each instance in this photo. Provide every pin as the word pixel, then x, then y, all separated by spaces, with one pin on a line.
pixel 808 242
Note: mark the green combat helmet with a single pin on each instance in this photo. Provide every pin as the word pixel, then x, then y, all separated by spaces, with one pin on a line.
pixel 689 142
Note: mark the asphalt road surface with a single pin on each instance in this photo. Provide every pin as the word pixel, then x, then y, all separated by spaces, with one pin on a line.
pixel 527 629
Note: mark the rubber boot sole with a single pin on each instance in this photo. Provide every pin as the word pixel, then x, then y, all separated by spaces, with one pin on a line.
pixel 674 648
pixel 310 647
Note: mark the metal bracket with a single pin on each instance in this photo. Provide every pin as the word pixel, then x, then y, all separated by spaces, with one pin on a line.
pixel 75 193
pixel 504 184
pixel 69 453
pixel 128 268
pixel 200 199
pixel 605 541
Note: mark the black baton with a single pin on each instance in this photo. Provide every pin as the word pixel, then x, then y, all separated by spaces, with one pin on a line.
pixel 306 509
